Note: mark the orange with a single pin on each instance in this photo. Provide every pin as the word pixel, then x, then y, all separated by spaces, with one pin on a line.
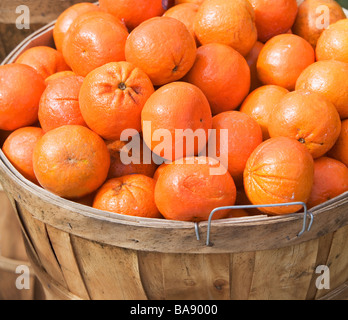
pixel 199 2
pixel 112 98
pixel 282 60
pixel 328 78
pixel 187 191
pixel 340 150
pixel 228 22
pixel 307 117
pixel 251 59
pixel 159 170
pixel 18 148
pixel 59 103
pixel 94 39
pixel 237 213
pixel 333 42
pixel 186 13
pixel 176 120
pixel 71 161
pixel 133 12
pixel 119 150
pixel 59 75
pixel 131 195
pixel 310 21
pixel 20 90
pixel 172 51
pixel 273 17
pixel 259 105
pixel 330 181
pixel 66 18
pixel 45 60
pixel 280 170
pixel 222 74
pixel 244 135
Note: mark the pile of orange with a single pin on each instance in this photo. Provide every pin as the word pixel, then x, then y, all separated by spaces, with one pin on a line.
pixel 169 109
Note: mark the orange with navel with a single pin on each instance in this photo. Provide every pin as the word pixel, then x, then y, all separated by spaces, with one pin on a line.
pixel 307 117
pixel 71 161
pixel 112 98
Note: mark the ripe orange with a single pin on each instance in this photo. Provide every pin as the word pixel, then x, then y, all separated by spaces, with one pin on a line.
pixel 119 150
pixel 333 42
pixel 18 148
pixel 244 135
pixel 280 170
pixel 173 111
pixel 66 18
pixel 59 75
pixel 20 91
pixel 131 195
pixel 328 78
pixel 186 13
pixel 222 74
pixel 45 60
pixel 94 39
pixel 112 98
pixel 59 103
pixel 273 17
pixel 133 12
pixel 228 22
pixel 172 51
pixel 71 161
pixel 309 23
pixel 307 117
pixel 330 180
pixel 188 191
pixel 199 2
pixel 159 170
pixel 259 105
pixel 340 150
pixel 282 60
pixel 237 213
pixel 251 59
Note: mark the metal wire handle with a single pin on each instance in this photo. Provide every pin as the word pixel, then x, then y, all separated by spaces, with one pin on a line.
pixel 304 226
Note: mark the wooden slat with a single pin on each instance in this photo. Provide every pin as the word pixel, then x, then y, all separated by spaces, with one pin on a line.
pixel 63 250
pixel 242 271
pixel 337 261
pixel 36 230
pixel 108 272
pixel 283 273
pixel 150 270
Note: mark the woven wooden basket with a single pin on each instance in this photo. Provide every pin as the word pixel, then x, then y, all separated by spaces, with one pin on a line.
pixel 79 252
